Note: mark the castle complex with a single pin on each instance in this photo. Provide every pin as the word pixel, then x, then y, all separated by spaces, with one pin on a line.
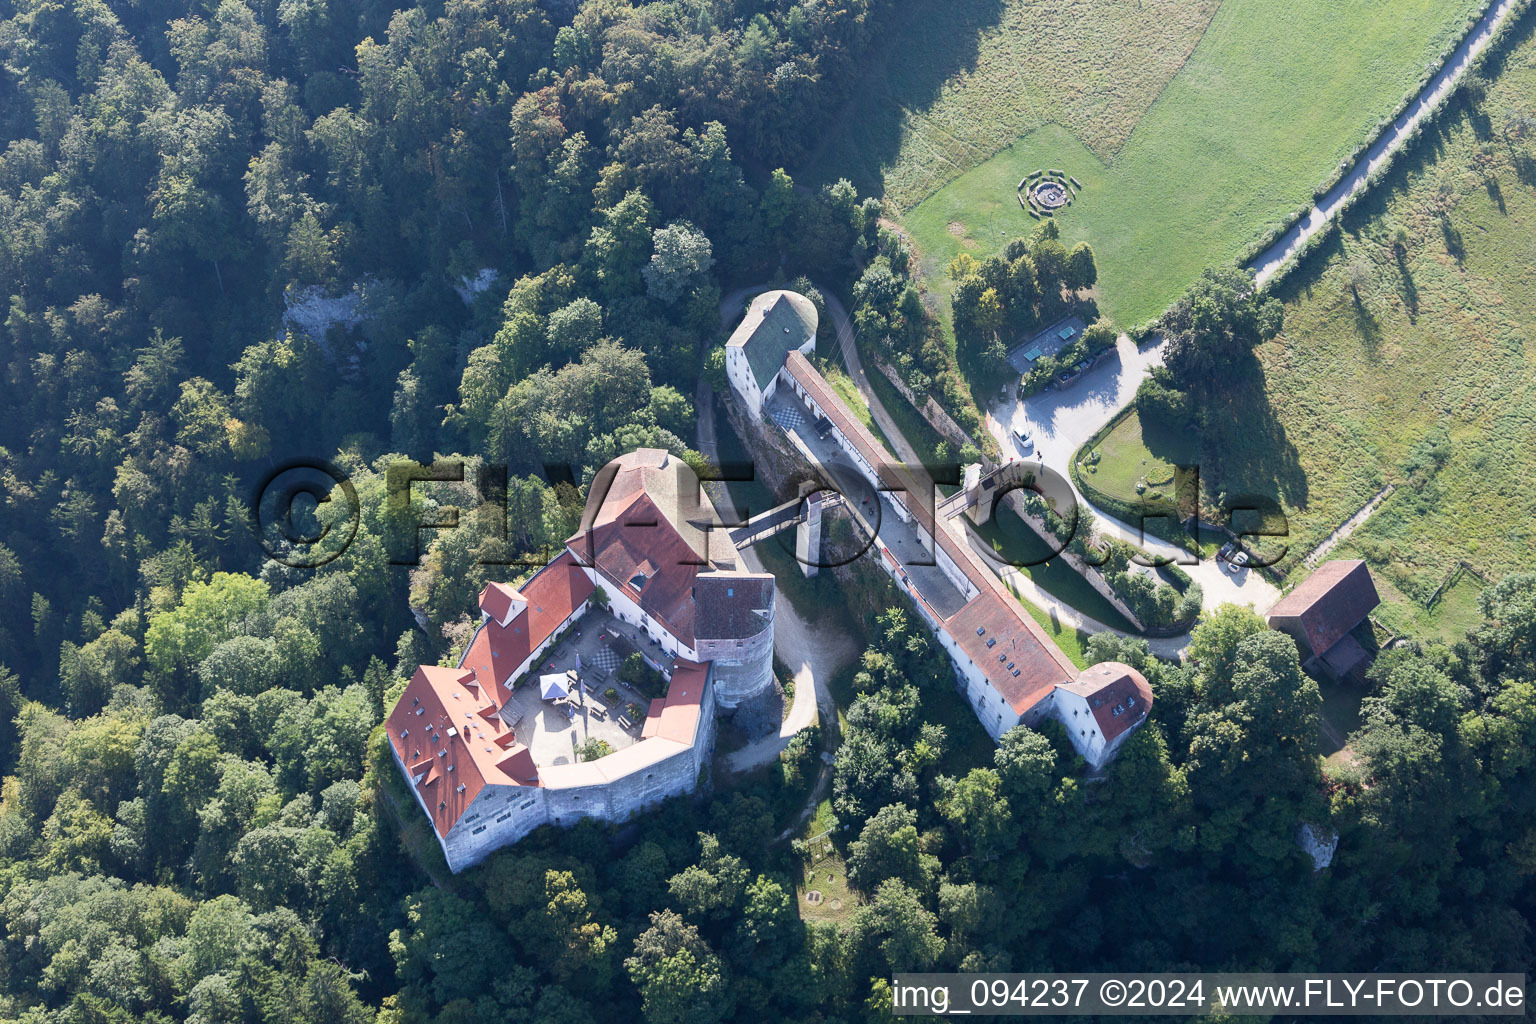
pixel 489 758
pixel 514 736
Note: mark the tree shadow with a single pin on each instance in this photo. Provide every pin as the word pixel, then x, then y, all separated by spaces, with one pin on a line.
pixel 1366 325
pixel 1482 124
pixel 906 70
pixel 1243 445
pixel 1525 168
pixel 1495 193
pixel 1455 245
pixel 1410 290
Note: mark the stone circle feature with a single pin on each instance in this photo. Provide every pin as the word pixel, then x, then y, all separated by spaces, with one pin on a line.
pixel 1051 195
pixel 1042 193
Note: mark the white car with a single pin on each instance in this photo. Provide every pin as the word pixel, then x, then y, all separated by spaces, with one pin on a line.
pixel 1024 441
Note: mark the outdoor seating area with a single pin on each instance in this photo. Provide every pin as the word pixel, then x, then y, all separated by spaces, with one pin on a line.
pixel 1046 343
pixel 574 696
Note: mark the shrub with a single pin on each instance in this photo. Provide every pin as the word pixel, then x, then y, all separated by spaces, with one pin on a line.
pixel 593 749
pixel 635 672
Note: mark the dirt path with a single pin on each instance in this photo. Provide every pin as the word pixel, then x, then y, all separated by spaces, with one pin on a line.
pixel 845 341
pixel 1349 526
pixel 1435 91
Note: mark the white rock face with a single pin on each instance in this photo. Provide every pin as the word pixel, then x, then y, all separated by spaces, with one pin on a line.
pixel 312 311
pixel 1318 842
pixel 469 287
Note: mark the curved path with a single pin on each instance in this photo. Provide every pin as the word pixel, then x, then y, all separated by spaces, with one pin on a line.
pixel 1388 142
pixel 1062 420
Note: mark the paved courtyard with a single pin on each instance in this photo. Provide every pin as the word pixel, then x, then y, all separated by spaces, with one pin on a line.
pixel 594 649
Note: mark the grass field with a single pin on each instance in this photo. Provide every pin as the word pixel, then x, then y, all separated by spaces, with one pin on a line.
pixel 826 875
pixel 1070 639
pixel 1126 459
pixel 1271 100
pixel 854 399
pixel 964 79
pixel 1414 366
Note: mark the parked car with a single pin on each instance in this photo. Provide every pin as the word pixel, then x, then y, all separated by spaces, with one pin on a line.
pixel 1025 442
pixel 1233 556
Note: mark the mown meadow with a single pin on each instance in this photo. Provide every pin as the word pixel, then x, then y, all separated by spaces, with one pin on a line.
pixel 1266 107
pixel 1409 358
pixel 964 79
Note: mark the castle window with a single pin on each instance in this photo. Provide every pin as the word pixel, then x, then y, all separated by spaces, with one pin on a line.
pixel 504 817
pixel 476 831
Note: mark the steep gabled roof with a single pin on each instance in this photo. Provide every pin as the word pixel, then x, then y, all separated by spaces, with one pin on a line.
pixel 1022 669
pixel 1117 695
pixel 553 594
pixel 777 323
pixel 497 599
pixel 441 730
pixel 1329 603
pixel 644 557
pixel 647 530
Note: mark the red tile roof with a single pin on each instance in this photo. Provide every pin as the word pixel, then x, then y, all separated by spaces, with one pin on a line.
pixel 679 716
pixel 638 551
pixel 1328 604
pixel 497 599
pixel 1117 694
pixel 553 595
pixel 1020 667
pixel 445 728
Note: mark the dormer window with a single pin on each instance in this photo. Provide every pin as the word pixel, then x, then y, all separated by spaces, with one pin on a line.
pixel 638 580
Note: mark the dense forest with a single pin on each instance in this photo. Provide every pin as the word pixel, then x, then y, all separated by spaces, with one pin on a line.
pixel 232 235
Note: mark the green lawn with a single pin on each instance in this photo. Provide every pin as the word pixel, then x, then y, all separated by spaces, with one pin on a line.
pixel 961 80
pixel 1450 617
pixel 1126 459
pixel 1009 537
pixel 854 399
pixel 1424 376
pixel 1070 639
pixel 1272 99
